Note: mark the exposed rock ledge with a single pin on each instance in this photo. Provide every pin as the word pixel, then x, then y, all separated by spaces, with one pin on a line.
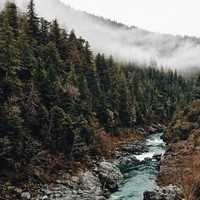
pixel 86 185
pixel 165 193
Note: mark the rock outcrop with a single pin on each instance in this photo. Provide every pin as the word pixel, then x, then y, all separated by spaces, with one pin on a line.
pixel 85 185
pixel 110 176
pixel 127 162
pixel 165 193
pixel 181 164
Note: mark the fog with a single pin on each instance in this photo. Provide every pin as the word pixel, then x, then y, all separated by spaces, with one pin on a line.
pixel 124 43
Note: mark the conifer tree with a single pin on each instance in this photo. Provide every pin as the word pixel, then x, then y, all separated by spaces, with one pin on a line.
pixel 9 53
pixel 85 96
pixel 55 34
pixel 44 31
pixel 102 71
pixel 11 15
pixel 33 21
pixel 196 93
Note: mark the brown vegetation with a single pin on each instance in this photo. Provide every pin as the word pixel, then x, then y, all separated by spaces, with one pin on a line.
pixel 107 143
pixel 181 163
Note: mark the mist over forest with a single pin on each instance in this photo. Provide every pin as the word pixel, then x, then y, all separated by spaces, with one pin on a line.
pixel 126 44
pixel 93 109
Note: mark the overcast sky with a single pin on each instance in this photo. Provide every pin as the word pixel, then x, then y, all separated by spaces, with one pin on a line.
pixel 165 16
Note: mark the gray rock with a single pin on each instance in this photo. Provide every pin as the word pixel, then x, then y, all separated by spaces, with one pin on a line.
pixel 56 191
pixel 89 181
pixel 127 162
pixel 45 197
pixel 110 176
pixel 25 195
pixel 90 185
pixel 165 193
pixel 157 157
pixel 156 128
pixel 132 148
pixel 141 130
pixel 85 186
pixel 152 130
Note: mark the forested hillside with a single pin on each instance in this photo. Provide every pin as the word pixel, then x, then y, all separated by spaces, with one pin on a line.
pixel 56 95
pixel 124 43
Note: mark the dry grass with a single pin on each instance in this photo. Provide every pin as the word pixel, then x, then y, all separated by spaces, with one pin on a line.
pixel 109 142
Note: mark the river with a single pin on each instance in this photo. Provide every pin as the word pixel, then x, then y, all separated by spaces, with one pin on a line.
pixel 142 177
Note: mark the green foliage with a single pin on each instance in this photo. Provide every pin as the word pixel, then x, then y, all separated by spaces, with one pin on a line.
pixel 11 15
pixel 185 123
pixel 32 21
pixel 196 91
pixel 53 90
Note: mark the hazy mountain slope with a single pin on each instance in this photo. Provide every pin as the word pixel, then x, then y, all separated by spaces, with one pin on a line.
pixel 124 43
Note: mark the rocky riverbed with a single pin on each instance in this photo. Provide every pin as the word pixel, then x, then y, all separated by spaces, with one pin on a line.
pixel 127 175
pixel 98 183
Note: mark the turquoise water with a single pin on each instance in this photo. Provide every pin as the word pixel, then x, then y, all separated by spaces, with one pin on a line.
pixel 142 177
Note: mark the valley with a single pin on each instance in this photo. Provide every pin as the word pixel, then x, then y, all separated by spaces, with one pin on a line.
pixel 95 110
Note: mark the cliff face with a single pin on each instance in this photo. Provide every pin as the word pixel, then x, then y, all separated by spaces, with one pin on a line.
pixel 181 162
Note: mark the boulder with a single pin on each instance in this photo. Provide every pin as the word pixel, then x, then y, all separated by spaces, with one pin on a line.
pixel 110 176
pixel 84 186
pixel 25 195
pixel 152 130
pixel 132 148
pixel 156 128
pixel 56 191
pixel 157 157
pixel 90 185
pixel 127 162
pixel 165 193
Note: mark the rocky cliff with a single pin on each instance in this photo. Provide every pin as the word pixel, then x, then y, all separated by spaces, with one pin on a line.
pixel 181 163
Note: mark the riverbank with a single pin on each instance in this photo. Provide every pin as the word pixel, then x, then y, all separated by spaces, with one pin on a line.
pixel 96 179
pixel 49 176
pixel 180 165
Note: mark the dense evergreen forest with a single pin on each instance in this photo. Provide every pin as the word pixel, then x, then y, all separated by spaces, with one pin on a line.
pixel 56 94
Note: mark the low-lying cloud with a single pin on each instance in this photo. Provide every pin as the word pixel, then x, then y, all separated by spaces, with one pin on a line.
pixel 125 44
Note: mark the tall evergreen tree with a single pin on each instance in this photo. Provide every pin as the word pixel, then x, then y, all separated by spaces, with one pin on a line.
pixel 9 53
pixel 44 31
pixel 33 21
pixel 11 15
pixel 55 34
pixel 196 93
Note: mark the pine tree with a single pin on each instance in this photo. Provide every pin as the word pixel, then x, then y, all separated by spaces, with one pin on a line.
pixel 125 109
pixel 9 53
pixel 85 96
pixel 11 15
pixel 55 34
pixel 102 71
pixel 44 31
pixel 33 21
pixel 74 57
pixel 196 93
pixel 59 131
pixel 51 57
pixel 28 59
